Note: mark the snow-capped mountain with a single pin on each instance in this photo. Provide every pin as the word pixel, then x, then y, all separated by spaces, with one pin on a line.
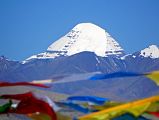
pixel 83 37
pixel 152 52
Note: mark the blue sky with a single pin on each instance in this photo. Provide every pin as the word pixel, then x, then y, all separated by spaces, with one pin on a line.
pixel 28 27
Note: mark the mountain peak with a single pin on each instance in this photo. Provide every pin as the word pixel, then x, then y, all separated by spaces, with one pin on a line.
pixel 86 37
pixel 87 26
pixel 152 51
pixel 2 57
pixel 83 37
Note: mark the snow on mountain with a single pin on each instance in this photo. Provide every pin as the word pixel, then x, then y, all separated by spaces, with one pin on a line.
pixel 127 55
pixel 87 37
pixel 83 37
pixel 152 52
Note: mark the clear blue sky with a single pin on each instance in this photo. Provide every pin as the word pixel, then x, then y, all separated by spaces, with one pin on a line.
pixel 28 27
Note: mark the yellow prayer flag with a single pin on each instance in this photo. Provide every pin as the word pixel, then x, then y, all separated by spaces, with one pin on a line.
pixel 136 108
pixel 154 76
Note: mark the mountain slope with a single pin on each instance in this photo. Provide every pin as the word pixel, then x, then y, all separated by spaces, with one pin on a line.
pixel 7 67
pixel 75 64
pixel 145 60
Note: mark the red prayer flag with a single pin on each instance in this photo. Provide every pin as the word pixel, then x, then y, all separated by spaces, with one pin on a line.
pixel 29 104
pixel 154 113
pixel 5 84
